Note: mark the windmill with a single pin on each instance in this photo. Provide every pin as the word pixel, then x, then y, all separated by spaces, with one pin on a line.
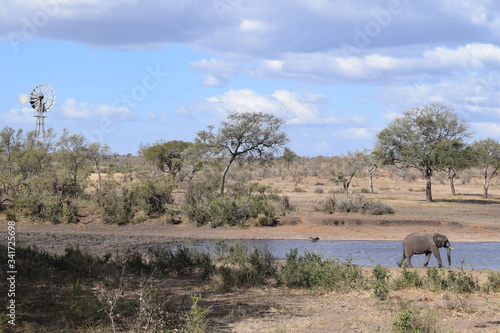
pixel 42 99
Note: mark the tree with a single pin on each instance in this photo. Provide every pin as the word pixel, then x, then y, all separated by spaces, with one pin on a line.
pixel 288 156
pixel 74 157
pixel 349 165
pixel 488 158
pixel 96 152
pixel 167 154
pixel 254 134
pixel 420 139
pixel 458 157
pixel 370 162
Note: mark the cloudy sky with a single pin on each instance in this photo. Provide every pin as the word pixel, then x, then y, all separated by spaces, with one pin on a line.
pixel 128 72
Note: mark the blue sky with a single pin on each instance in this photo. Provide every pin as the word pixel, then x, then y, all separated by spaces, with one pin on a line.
pixel 127 72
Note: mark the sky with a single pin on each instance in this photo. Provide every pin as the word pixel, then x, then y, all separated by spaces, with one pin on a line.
pixel 130 72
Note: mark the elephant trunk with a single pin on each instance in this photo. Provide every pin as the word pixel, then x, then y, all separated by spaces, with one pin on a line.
pixel 449 255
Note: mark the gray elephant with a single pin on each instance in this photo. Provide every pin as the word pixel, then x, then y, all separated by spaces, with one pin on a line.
pixel 425 243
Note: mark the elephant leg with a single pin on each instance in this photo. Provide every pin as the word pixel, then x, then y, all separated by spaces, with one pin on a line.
pixel 400 262
pixel 408 259
pixel 427 258
pixel 438 257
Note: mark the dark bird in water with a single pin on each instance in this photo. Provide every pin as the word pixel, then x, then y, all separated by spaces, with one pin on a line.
pixel 314 239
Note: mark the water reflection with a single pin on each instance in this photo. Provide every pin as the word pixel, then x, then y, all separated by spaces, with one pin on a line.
pixel 372 253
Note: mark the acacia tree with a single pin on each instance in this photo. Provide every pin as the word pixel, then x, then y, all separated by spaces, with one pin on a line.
pixel 420 139
pixel 288 156
pixel 348 167
pixel 251 134
pixel 488 158
pixel 169 154
pixel 96 152
pixel 73 153
pixel 458 157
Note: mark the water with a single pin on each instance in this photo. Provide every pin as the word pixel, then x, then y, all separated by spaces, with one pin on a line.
pixel 371 253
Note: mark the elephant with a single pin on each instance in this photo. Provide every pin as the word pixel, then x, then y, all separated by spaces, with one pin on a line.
pixel 425 243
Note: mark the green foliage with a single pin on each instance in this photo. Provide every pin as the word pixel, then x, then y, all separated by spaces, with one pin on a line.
pixel 312 271
pixel 228 211
pixel 203 206
pixel 493 283
pixel 183 260
pixel 380 282
pixel 82 307
pixel 248 134
pixel 153 195
pixel 461 282
pixel 239 267
pixel 413 320
pixel 195 319
pixel 116 202
pixel 421 139
pixel 356 204
pixel 408 279
pixel 171 154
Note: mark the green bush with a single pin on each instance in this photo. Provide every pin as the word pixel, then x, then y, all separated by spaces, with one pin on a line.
pixel 380 282
pixel 311 271
pixel 461 282
pixel 154 194
pixel 493 283
pixel 182 260
pixel 408 279
pixel 415 320
pixel 117 202
pixel 239 267
pixel 356 204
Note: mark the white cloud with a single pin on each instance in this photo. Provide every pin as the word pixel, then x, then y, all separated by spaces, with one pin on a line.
pixel 22 116
pixel 253 26
pixel 216 72
pixel 486 130
pixel 354 133
pixel 72 109
pixel 294 108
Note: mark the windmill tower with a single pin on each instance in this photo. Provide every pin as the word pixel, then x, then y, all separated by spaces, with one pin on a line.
pixel 42 99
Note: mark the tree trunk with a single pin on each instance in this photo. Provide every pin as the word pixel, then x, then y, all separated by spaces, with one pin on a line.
pixel 428 185
pixel 370 181
pixel 98 170
pixel 223 181
pixel 451 177
pixel 486 183
pixel 372 169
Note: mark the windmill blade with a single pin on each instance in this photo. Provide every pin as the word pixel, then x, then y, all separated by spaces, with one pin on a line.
pixel 23 99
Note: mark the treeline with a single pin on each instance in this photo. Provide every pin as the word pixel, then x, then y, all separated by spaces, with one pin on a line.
pixel 59 178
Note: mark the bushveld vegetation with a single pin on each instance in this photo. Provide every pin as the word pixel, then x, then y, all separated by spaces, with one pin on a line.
pixel 58 179
pixel 78 292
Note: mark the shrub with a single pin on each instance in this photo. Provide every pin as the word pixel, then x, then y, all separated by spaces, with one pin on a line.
pixel 356 204
pixel 285 205
pixel 154 194
pixel 195 319
pixel 460 282
pixel 228 211
pixel 310 271
pixel 414 320
pixel 408 279
pixel 116 201
pixel 240 268
pixel 183 260
pixel 493 283
pixel 380 282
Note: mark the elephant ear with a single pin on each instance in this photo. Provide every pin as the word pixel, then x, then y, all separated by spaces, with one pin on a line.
pixel 439 240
